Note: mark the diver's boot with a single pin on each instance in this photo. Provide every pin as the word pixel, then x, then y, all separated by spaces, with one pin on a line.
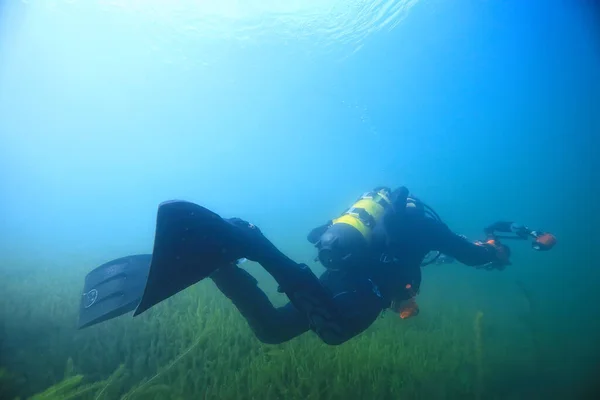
pixel 247 241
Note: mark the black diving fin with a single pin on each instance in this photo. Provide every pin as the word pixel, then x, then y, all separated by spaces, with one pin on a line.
pixel 190 243
pixel 113 289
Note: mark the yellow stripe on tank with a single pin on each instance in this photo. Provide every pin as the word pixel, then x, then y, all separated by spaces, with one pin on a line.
pixel 371 207
pixel 355 222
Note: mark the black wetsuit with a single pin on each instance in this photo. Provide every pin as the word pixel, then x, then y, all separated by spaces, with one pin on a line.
pixel 359 295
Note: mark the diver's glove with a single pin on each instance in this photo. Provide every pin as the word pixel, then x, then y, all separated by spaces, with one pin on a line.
pixel 405 303
pixel 408 309
pixel 501 255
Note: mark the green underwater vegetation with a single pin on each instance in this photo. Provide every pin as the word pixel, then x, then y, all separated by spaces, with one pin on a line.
pixel 197 346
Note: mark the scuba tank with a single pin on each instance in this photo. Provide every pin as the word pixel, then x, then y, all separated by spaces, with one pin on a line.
pixel 346 242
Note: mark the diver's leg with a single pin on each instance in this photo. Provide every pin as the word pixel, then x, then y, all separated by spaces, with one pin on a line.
pixel 338 306
pixel 354 305
pixel 334 315
pixel 270 325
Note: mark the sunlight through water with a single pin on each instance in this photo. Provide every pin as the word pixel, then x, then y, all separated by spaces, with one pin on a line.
pixel 327 23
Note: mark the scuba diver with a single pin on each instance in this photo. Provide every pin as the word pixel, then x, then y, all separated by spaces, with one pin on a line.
pixel 373 254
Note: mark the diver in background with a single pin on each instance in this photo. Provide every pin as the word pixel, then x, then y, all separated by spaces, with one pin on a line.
pixel 372 253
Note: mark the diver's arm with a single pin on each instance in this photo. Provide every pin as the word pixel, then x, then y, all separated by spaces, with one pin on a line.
pixel 442 239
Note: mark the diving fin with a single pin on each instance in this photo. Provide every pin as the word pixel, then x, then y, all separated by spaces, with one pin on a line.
pixel 190 243
pixel 113 289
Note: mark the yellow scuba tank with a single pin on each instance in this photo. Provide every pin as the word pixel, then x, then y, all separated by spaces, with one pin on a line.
pixel 346 242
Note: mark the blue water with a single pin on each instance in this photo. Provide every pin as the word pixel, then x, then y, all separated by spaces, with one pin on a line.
pixel 284 112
